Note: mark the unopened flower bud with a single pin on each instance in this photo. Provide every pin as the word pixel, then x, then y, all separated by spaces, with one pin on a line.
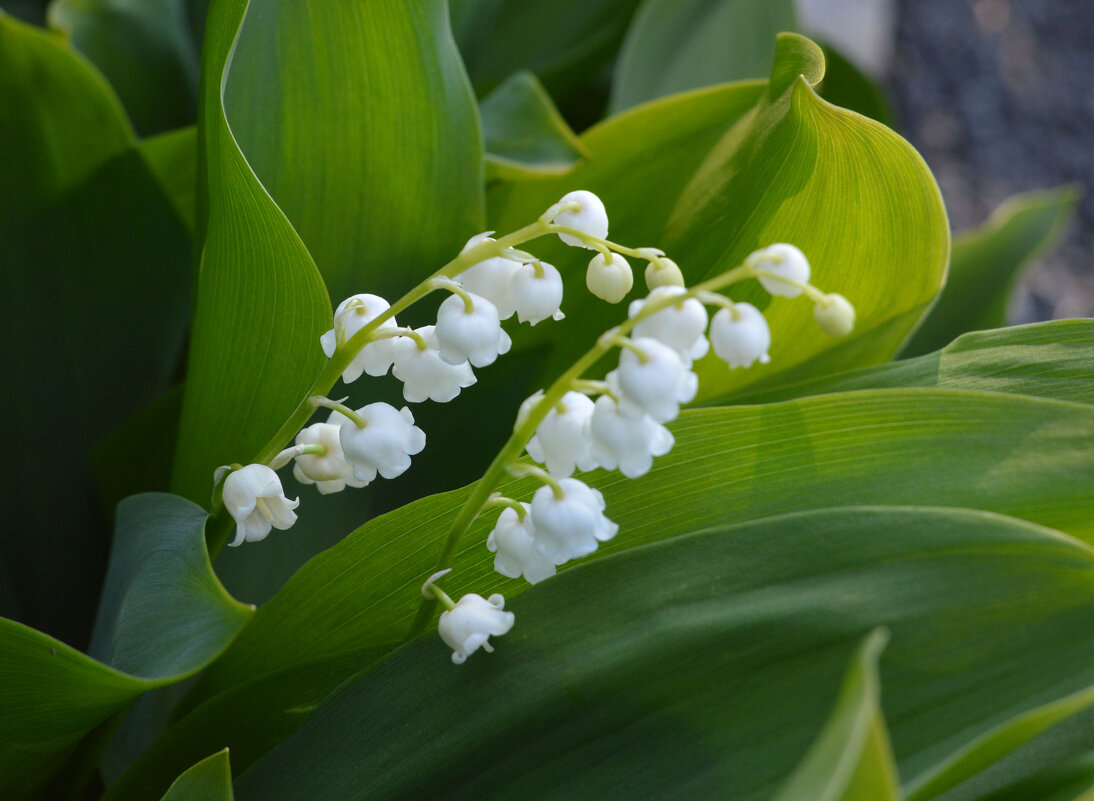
pixel 535 291
pixel 609 280
pixel 785 261
pixel 468 626
pixel 663 271
pixel 254 498
pixel 590 218
pixel 740 335
pixel 835 315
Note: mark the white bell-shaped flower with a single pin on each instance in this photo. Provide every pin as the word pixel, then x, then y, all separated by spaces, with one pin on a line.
pixel 384 445
pixel 513 541
pixel 424 373
pixel 609 280
pixel 255 499
pixel 536 296
pixel 783 260
pixel 740 335
pixel 571 526
pixel 835 315
pixel 656 386
pixel 680 326
pixel 627 444
pixel 474 335
pixel 561 441
pixel 351 316
pixel 663 271
pixel 590 217
pixel 329 472
pixel 469 626
pixel 490 279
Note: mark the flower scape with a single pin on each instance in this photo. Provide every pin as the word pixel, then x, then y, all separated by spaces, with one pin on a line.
pixel 574 425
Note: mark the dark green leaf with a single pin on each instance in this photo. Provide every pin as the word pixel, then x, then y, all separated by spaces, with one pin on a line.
pixel 173 157
pixel 208 780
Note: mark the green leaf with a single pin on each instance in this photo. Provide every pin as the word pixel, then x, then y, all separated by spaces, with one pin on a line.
pixel 1071 781
pixel 710 180
pixel 1047 360
pixel 208 780
pixel 90 244
pixel 987 262
pixel 173 157
pixel 675 45
pixel 525 135
pixel 361 124
pixel 144 48
pixel 1018 456
pixel 692 668
pixel 852 758
pixel 846 85
pixel 163 617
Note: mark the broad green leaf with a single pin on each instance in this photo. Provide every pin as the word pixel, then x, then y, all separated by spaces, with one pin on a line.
pixel 1018 456
pixel 208 780
pixel 173 157
pixel 1071 781
pixel 857 199
pixel 90 244
pixel 676 45
pixel 987 262
pixel 702 667
pixel 163 617
pixel 359 121
pixel 524 134
pixel 144 48
pixel 261 304
pixel 1048 360
pixel 851 760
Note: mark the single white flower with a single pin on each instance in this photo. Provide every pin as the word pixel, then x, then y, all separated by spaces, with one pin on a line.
pixel 663 271
pixel 490 279
pixel 590 217
pixel 680 326
pixel 254 498
pixel 609 280
pixel 571 526
pixel 424 373
pixel 740 335
pixel 351 316
pixel 561 441
pixel 536 297
pixel 783 260
pixel 656 386
pixel 474 620
pixel 835 315
pixel 628 444
pixel 329 472
pixel 474 336
pixel 385 444
pixel 513 541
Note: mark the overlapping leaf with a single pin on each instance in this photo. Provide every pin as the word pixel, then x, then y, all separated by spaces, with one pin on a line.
pixel 208 780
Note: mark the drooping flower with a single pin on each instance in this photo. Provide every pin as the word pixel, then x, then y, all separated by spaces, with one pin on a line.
pixel 384 445
pixel 255 499
pixel 835 315
pixel 740 335
pixel 424 373
pixel 513 541
pixel 535 291
pixel 783 260
pixel 663 271
pixel 571 526
pixel 628 444
pixel 656 386
pixel 473 335
pixel 490 279
pixel 351 316
pixel 680 326
pixel 330 472
pixel 561 441
pixel 609 280
pixel 590 217
pixel 468 626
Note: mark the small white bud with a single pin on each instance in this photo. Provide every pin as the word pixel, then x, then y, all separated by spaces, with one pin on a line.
pixel 680 326
pixel 513 541
pixel 783 260
pixel 740 335
pixel 561 441
pixel 835 315
pixel 625 443
pixel 474 620
pixel 590 218
pixel 385 444
pixel 329 472
pixel 353 314
pixel 536 296
pixel 424 373
pixel 474 336
pixel 656 386
pixel 663 271
pixel 609 280
pixel 571 526
pixel 254 498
